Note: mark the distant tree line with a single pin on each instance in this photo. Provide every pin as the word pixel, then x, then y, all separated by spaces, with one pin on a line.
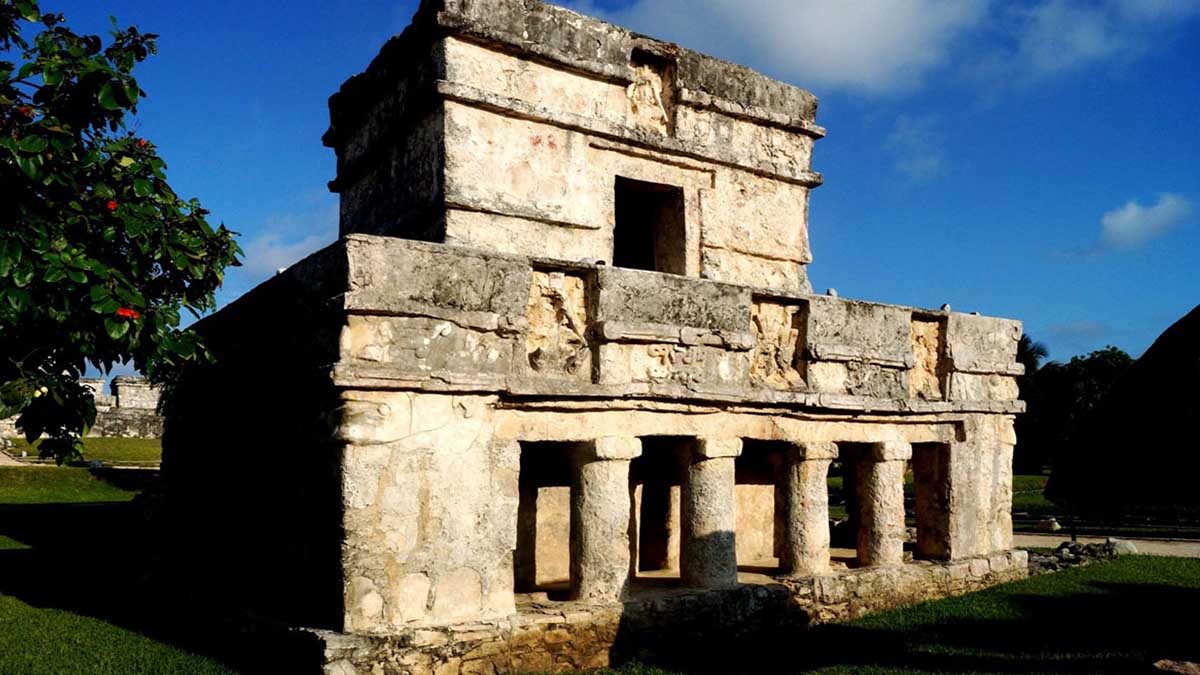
pixel 1062 400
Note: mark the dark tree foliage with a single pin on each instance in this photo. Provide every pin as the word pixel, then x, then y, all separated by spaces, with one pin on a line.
pixel 1136 451
pixel 98 255
pixel 1060 399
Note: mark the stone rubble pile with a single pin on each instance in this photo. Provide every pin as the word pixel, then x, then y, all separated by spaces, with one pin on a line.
pixel 1074 554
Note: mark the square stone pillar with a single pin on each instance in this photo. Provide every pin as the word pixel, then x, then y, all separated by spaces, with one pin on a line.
pixel 709 518
pixel 881 530
pixel 806 504
pixel 601 557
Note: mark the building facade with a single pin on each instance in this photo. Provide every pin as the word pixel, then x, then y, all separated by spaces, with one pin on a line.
pixel 562 385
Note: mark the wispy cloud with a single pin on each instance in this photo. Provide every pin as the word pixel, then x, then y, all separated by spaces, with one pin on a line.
pixel 876 47
pixel 1132 225
pixel 284 239
pixel 915 144
pixel 884 47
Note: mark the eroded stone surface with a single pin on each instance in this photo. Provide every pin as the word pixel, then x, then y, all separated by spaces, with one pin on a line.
pixel 481 415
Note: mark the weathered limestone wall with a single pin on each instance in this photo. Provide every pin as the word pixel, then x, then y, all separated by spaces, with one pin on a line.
pixel 708 629
pixel 518 150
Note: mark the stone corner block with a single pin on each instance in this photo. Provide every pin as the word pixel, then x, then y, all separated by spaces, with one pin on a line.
pixel 815 450
pixel 891 451
pixel 616 447
pixel 712 448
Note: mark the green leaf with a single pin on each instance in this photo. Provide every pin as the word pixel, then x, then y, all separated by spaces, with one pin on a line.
pixel 23 275
pixel 142 187
pixel 108 97
pixel 55 274
pixel 28 10
pixel 33 144
pixel 98 293
pixel 30 164
pixel 115 329
pixel 77 276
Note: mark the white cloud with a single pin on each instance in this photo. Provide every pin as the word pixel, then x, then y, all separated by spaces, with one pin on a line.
pixel 916 146
pixel 878 47
pixel 285 239
pixel 1133 224
pixel 890 46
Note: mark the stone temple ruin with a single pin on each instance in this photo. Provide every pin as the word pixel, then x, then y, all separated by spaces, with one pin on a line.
pixel 561 393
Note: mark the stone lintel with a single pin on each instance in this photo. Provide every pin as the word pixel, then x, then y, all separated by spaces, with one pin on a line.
pixel 713 447
pixel 614 447
pixel 891 451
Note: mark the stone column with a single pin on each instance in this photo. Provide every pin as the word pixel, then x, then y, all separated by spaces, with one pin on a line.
pixel 881 500
pixel 806 537
pixel 600 519
pixel 525 553
pixel 709 519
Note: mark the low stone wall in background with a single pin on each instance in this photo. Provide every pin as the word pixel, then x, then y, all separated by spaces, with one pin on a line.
pixel 131 411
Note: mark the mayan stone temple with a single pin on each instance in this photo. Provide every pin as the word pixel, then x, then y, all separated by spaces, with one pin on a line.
pixel 561 393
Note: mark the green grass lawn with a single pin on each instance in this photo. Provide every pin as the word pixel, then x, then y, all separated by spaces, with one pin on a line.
pixel 56 485
pixel 39 640
pixel 69 553
pixel 128 451
pixel 1116 617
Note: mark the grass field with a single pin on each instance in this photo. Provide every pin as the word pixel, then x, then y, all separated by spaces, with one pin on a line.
pixel 117 451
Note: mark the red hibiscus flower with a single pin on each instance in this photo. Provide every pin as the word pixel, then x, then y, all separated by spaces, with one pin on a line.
pixel 142 143
pixel 112 205
pixel 128 313
pixel 26 111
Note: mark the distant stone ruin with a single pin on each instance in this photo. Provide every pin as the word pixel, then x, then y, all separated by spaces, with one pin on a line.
pixel 561 394
pixel 130 411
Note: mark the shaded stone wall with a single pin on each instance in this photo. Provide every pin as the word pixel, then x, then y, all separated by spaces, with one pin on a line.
pixel 708 629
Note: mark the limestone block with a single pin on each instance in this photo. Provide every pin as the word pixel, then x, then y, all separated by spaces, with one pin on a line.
pixel 556 344
pixel 691 366
pixel 982 387
pixel 708 558
pixel 438 281
pixel 733 267
pixel 430 509
pixel 925 380
pixel 420 348
pixel 637 296
pixel 777 360
pixel 982 344
pixel 757 216
pixel 135 392
pixel 857 378
pixel 849 330
pixel 600 544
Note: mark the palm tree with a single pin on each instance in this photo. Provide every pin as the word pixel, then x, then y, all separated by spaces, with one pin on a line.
pixel 1030 353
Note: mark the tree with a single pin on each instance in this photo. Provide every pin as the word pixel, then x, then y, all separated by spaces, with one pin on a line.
pixel 1059 400
pixel 1030 454
pixel 98 255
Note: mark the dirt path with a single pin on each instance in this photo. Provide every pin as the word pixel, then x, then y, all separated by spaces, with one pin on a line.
pixel 5 460
pixel 1177 548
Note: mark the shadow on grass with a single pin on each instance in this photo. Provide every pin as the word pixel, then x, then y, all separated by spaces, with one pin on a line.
pixel 1104 619
pixel 101 560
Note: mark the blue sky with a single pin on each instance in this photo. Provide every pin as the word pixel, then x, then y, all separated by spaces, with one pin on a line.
pixel 1037 160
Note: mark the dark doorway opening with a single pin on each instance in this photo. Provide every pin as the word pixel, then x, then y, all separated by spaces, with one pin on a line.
pixel 650 229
